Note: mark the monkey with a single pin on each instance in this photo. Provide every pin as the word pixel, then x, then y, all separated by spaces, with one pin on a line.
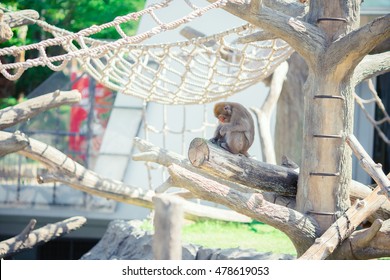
pixel 235 131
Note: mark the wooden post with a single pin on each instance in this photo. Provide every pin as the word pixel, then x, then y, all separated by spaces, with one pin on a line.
pixel 168 221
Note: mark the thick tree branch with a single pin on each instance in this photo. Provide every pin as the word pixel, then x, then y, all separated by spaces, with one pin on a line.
pixel 32 107
pixel 19 18
pixel 352 48
pixel 357 213
pixel 365 244
pixel 63 169
pixel 11 143
pixel 300 229
pixel 152 153
pixel 39 236
pixel 371 66
pixel 305 38
pixel 344 226
pixel 288 7
pixel 257 36
pixel 233 178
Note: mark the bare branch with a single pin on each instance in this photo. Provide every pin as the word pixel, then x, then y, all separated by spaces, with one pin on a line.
pixel 307 39
pixel 21 238
pixel 257 36
pixel 19 18
pixel 298 227
pixel 344 226
pixel 63 169
pixel 357 213
pixel 371 66
pixel 352 48
pixel 166 158
pixel 370 243
pixel 11 143
pixel 41 235
pixel 5 31
pixel 373 169
pixel 30 108
pixel 288 7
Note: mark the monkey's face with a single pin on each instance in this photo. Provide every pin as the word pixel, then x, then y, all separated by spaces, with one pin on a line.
pixel 224 118
pixel 223 112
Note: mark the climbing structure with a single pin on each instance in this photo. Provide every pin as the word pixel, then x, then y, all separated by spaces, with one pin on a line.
pixel 194 71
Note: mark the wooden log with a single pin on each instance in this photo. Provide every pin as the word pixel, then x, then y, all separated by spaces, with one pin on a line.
pixel 63 169
pixel 246 171
pixel 39 236
pixel 32 107
pixel 168 221
pixel 164 157
pixel 300 228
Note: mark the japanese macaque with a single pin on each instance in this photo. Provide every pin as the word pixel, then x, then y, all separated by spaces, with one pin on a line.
pixel 235 131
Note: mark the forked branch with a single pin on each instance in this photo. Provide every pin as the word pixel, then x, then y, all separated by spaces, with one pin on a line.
pixel 29 239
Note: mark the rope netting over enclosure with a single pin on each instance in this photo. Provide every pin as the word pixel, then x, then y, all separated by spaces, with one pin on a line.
pixel 195 71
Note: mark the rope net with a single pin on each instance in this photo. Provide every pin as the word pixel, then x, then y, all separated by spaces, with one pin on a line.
pixel 195 71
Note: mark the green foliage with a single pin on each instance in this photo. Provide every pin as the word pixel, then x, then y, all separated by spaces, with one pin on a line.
pixel 78 14
pixel 6 102
pixel 70 15
pixel 258 236
pixel 218 234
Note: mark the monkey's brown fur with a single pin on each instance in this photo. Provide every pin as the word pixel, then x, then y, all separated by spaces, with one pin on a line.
pixel 235 131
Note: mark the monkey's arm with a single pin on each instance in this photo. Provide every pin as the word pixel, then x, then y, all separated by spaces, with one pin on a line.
pixel 240 127
pixel 217 134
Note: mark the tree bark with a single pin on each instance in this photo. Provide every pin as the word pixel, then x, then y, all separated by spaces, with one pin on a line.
pixel 32 107
pixel 252 173
pixel 238 180
pixel 12 143
pixel 168 221
pixel 370 243
pixel 344 226
pixel 63 169
pixel 39 236
pixel 19 18
pixel 299 228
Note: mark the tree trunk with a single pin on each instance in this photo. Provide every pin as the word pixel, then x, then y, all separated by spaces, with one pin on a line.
pixel 289 117
pixel 323 185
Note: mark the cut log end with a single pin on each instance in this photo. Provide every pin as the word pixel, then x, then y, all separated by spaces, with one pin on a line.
pixel 198 151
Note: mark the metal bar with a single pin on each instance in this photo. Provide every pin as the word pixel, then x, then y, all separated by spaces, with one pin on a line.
pixel 329 97
pixel 324 174
pixel 332 136
pixel 331 19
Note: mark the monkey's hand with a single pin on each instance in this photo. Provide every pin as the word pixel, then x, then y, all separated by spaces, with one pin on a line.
pixel 224 129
